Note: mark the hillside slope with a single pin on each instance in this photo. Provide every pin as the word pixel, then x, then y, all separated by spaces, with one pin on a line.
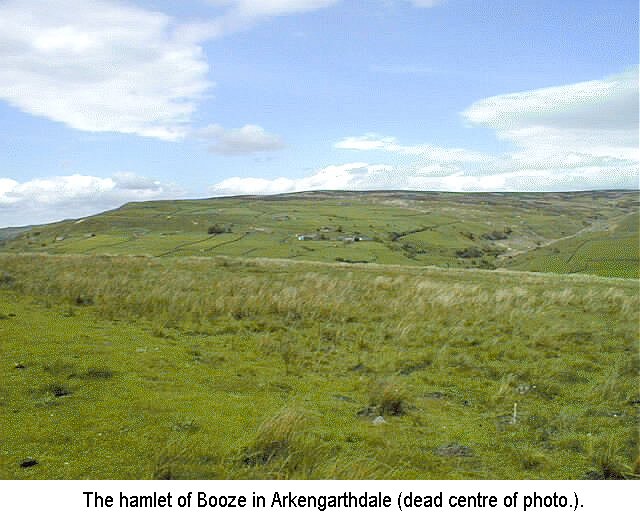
pixel 590 232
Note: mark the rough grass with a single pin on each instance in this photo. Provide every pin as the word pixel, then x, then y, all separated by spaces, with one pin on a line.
pixel 229 368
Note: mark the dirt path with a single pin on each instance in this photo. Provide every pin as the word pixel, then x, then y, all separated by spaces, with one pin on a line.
pixel 592 228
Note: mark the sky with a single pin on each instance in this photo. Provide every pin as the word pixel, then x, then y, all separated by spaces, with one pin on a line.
pixel 103 102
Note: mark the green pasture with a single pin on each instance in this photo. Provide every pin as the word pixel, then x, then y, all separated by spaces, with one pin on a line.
pixel 589 232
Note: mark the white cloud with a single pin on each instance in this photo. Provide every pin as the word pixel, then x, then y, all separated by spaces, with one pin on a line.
pixel 351 176
pixel 242 14
pixel 527 180
pixel 597 118
pixel 256 8
pixel 246 140
pixel 368 142
pixel 372 142
pixel 99 66
pixel 54 198
pixel 425 3
pixel 109 66
pixel 364 176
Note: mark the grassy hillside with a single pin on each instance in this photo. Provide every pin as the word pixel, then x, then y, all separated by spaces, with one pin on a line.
pixel 590 232
pixel 139 367
pixel 609 248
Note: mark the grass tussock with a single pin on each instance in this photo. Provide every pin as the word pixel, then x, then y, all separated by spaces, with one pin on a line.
pixel 276 436
pixel 609 464
pixel 390 398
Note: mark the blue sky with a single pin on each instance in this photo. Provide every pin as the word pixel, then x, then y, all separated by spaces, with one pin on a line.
pixel 105 101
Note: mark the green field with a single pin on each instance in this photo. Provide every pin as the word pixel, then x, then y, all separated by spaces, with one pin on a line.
pixel 588 232
pixel 137 346
pixel 607 249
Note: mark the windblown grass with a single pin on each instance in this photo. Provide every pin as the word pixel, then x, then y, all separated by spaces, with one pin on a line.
pixel 229 368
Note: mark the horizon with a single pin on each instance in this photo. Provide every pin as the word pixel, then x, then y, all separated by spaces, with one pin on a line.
pixel 105 102
pixel 327 192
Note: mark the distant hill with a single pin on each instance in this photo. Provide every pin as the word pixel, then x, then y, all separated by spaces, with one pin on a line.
pixel 592 232
pixel 12 232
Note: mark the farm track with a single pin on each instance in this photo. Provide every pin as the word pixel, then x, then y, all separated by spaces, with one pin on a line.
pixel 592 228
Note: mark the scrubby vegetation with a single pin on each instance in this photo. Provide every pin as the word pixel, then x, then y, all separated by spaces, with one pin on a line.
pixel 141 367
pixel 218 229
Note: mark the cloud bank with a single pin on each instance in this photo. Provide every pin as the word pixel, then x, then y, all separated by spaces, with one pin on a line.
pixel 597 118
pixel 351 176
pixel 72 196
pixel 246 140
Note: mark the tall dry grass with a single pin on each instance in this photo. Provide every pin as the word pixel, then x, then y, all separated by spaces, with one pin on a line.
pixel 198 291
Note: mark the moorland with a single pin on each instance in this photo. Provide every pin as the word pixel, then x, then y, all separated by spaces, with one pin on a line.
pixel 325 335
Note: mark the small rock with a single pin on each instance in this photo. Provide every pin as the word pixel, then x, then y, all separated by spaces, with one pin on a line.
pixel 593 475
pixel 19 365
pixel 454 450
pixel 378 420
pixel 523 389
pixel 28 462
pixel 60 391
